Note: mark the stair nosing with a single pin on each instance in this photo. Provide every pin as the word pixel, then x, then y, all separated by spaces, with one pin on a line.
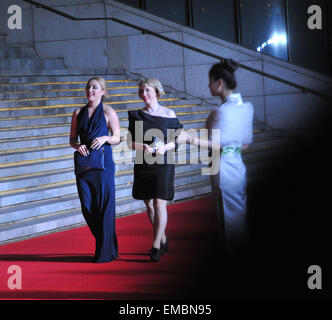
pixel 59 82
pixel 2 109
pixel 64 90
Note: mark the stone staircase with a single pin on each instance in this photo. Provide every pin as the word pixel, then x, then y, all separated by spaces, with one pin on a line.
pixel 38 191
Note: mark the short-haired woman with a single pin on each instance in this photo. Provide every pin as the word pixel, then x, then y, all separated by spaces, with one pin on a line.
pixel 154 178
pixel 96 188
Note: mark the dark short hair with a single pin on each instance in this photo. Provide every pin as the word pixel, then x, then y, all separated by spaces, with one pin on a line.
pixel 225 70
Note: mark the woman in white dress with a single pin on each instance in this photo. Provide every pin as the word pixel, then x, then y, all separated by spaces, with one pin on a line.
pixel 234 121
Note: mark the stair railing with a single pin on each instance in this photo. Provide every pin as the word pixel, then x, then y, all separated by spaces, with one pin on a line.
pixel 183 45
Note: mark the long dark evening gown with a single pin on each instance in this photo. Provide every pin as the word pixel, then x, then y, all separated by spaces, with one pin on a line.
pixel 96 189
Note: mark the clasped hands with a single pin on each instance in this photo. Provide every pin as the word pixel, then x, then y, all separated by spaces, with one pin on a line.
pixel 96 144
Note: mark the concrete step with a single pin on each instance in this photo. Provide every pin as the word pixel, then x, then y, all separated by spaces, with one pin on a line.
pixel 10 214
pixel 23 211
pixel 35 165
pixel 24 141
pixel 63 115
pixel 29 91
pixel 35 141
pixel 37 193
pixel 182 192
pixel 54 119
pixel 57 162
pixel 124 174
pixel 51 152
pixel 36 179
pixel 25 154
pixel 50 207
pixel 63 187
pixel 16 131
pixel 73 217
pixel 65 72
pixel 60 77
pixel 20 97
pixel 18 155
pixel 44 93
pixel 37 226
pixel 43 165
pixel 39 107
pixel 33 131
pixel 77 97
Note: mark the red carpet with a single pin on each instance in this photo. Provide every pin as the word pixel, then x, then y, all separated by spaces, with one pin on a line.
pixel 57 266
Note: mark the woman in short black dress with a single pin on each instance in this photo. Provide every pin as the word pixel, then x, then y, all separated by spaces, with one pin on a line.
pixel 153 133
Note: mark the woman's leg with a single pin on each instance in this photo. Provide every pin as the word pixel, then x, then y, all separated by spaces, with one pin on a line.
pixel 160 222
pixel 149 203
pixel 150 209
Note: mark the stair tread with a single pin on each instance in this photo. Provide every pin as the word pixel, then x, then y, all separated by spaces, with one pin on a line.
pixel 59 184
pixel 39 217
pixel 62 213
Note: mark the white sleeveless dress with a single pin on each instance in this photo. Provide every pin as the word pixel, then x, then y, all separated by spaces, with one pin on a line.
pixel 234 119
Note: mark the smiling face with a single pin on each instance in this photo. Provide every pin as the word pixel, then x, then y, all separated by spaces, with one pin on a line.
pixel 147 94
pixel 94 91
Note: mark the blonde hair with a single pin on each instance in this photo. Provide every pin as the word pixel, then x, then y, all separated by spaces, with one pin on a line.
pixel 154 83
pixel 102 83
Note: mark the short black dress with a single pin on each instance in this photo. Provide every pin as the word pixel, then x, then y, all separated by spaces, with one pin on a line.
pixel 153 176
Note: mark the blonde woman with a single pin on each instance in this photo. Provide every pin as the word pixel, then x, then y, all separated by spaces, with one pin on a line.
pixel 96 189
pixel 153 180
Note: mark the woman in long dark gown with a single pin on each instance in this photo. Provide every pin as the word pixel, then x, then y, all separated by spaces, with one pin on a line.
pixel 154 182
pixel 96 189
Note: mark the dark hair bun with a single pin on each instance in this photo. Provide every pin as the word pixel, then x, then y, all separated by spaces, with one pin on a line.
pixel 225 70
pixel 230 65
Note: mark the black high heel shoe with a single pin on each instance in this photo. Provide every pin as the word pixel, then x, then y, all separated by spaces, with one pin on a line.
pixel 156 253
pixel 164 245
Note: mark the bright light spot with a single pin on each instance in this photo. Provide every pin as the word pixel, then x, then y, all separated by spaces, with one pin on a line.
pixel 276 40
